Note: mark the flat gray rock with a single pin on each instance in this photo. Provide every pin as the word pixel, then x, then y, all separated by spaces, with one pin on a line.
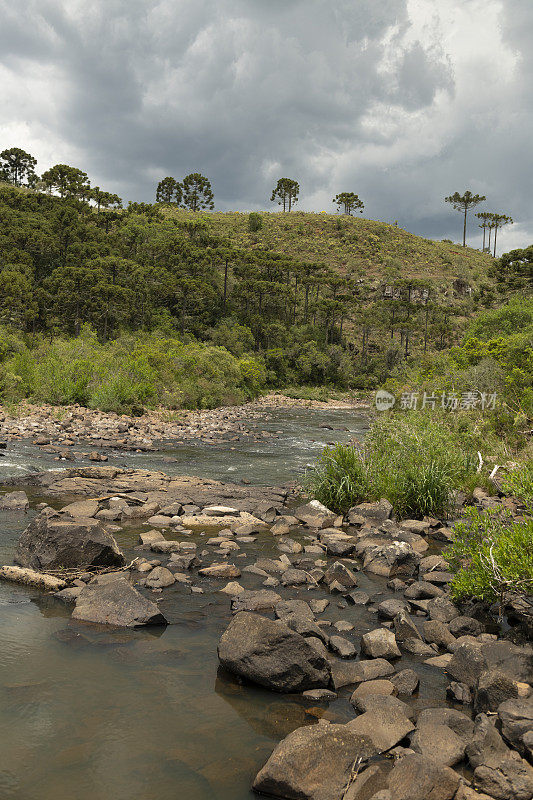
pixel 116 602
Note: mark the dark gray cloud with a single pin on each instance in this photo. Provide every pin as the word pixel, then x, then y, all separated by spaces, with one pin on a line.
pixel 399 100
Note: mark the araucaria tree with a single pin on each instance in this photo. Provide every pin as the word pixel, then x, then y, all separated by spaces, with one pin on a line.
pixel 498 221
pixel 485 217
pixel 16 166
pixel 463 203
pixel 349 201
pixel 286 193
pixel 66 181
pixel 169 191
pixel 197 192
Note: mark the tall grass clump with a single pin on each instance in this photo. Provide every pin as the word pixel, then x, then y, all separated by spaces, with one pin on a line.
pixel 340 478
pixel 414 461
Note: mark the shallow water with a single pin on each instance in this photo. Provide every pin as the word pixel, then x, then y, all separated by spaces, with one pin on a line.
pixel 93 714
pixel 296 441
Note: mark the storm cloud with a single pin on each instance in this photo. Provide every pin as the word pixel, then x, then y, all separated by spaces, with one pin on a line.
pixel 401 101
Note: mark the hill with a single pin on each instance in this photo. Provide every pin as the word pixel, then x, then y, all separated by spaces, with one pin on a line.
pixel 366 249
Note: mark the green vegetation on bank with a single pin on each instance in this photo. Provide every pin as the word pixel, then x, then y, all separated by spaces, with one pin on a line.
pixel 492 557
pixel 306 300
pixel 127 374
pixel 414 460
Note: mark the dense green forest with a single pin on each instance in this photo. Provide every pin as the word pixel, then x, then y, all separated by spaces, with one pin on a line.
pixel 153 305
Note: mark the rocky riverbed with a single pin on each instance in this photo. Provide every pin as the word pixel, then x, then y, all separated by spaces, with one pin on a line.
pixel 60 430
pixel 402 693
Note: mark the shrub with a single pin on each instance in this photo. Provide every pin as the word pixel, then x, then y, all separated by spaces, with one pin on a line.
pixel 492 557
pixel 149 370
pixel 519 482
pixel 255 222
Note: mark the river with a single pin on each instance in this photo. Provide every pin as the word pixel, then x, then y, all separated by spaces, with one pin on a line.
pixel 145 714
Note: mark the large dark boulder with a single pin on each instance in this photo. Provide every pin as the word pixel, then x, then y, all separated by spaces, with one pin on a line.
pixel 269 653
pixel 313 763
pixel 416 777
pixel 52 542
pixel 112 600
pixel 505 778
pixel 516 719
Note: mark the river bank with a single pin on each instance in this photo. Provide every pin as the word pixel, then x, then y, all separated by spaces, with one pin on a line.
pixel 403 667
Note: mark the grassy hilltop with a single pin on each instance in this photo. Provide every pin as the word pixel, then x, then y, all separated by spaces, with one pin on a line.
pixel 363 248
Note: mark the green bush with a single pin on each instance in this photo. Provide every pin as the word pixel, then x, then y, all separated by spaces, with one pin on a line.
pixel 492 557
pixel 255 222
pixel 519 482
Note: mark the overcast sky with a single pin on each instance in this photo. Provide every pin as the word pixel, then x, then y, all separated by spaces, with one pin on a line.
pixel 401 101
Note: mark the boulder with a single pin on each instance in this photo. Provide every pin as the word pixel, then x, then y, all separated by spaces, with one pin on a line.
pixel 342 647
pixel 514 661
pixel 437 632
pixel 336 543
pixel 406 681
pixel 315 515
pixel 505 779
pixel 112 600
pixel 159 578
pixel 346 673
pixel 14 501
pixel 466 626
pixel 269 653
pixel 81 508
pixel 260 600
pixel 290 608
pixel 149 537
pixel 516 718
pixel 380 643
pixel 416 777
pixel 442 609
pixel 52 542
pixel 377 512
pixel 486 742
pixel 467 663
pixel 380 704
pixel 493 688
pixel 416 647
pixel 295 577
pixel 385 728
pixel 438 743
pixel 304 626
pixel 388 609
pixel 341 574
pixel 313 763
pixel 422 590
pixel 458 722
pixel 389 560
pixel 404 627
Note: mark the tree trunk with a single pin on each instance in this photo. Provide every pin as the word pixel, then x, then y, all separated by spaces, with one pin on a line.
pixel 484 232
pixel 225 284
pixel 464 229
pixel 495 235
